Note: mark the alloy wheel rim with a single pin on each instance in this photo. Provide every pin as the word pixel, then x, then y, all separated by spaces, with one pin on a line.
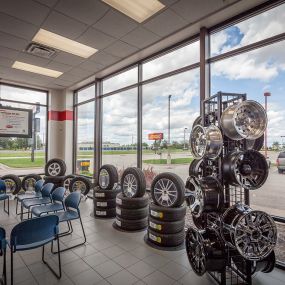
pixel 79 186
pixel 165 192
pixel 130 185
pixel 54 169
pixel 104 178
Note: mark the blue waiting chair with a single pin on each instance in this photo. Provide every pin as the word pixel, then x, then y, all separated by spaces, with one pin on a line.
pixel 4 196
pixel 45 199
pixel 35 233
pixel 70 214
pixel 56 205
pixel 37 194
pixel 3 244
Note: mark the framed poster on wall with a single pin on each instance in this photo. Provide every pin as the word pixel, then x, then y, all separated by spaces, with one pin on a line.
pixel 15 122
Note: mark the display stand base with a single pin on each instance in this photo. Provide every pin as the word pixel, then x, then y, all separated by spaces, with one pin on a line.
pixel 165 248
pixel 115 226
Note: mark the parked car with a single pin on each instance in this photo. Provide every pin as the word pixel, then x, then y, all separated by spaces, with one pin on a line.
pixel 281 162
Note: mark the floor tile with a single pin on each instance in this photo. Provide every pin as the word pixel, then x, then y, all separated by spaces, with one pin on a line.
pixel 113 251
pixel 95 259
pixel 174 270
pixel 75 267
pixel 108 268
pixel 155 260
pixel 126 259
pixel 85 250
pixel 122 278
pixel 158 278
pixel 141 269
pixel 88 277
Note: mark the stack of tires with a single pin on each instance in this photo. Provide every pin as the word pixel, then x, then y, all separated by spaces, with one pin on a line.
pixel 54 172
pixel 105 193
pixel 167 212
pixel 132 203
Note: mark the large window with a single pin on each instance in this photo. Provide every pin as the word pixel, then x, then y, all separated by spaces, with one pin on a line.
pixel 178 94
pixel 23 156
pixel 85 124
pixel 178 58
pixel 119 138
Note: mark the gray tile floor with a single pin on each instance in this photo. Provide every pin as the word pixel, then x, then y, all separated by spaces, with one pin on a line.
pixel 111 257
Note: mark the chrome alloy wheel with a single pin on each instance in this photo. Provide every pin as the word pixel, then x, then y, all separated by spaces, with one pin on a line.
pixel 104 178
pixel 54 169
pixel 130 185
pixel 79 186
pixel 165 192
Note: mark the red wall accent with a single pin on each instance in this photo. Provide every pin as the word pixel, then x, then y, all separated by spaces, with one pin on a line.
pixel 60 115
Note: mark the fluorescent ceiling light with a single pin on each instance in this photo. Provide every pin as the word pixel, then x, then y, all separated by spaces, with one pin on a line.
pixel 36 69
pixel 59 42
pixel 138 10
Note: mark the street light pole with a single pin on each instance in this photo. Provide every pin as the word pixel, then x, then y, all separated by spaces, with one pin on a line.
pixel 282 142
pixel 185 138
pixel 266 94
pixel 168 153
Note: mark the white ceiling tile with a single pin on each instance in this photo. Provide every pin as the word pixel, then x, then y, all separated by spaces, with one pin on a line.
pixel 115 24
pixel 68 77
pixel 49 3
pixel 69 59
pixel 17 27
pixel 104 58
pixel 26 10
pixel 165 23
pixel 86 11
pixel 6 61
pixel 8 53
pixel 91 66
pixel 63 25
pixel 168 2
pixel 59 66
pixel 96 39
pixel 10 41
pixel 120 49
pixel 194 10
pixel 31 59
pixel 61 82
pixel 140 37
pixel 80 72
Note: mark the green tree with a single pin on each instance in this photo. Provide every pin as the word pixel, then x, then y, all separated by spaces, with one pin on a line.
pixel 275 145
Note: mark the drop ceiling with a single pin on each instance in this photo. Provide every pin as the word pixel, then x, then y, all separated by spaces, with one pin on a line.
pixel 93 23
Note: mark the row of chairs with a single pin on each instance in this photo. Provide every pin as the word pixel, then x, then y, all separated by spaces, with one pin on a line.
pixel 49 203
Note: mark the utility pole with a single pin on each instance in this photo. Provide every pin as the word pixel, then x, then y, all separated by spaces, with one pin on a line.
pixel 266 94
pixel 185 138
pixel 168 153
pixel 34 132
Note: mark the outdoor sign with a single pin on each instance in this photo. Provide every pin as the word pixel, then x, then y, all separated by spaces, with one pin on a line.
pixel 15 122
pixel 155 136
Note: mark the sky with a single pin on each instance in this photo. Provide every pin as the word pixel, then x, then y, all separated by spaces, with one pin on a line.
pixel 255 72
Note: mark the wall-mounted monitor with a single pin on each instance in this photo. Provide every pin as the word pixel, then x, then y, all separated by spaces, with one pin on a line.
pixel 15 122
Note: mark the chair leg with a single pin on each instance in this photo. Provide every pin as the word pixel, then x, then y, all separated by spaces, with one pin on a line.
pixel 12 268
pixel 6 210
pixel 58 275
pixel 79 244
pixel 3 280
pixel 17 204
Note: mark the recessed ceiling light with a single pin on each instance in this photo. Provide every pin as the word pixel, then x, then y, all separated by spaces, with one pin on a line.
pixel 36 69
pixel 138 10
pixel 59 42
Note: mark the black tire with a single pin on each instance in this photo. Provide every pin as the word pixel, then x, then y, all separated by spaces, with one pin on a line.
pixel 104 203
pixel 133 182
pixel 256 144
pixel 105 213
pixel 132 214
pixel 55 167
pixel 67 180
pixel 166 227
pixel 167 240
pixel 167 214
pixel 54 179
pixel 177 188
pixel 106 194
pixel 279 171
pixel 131 225
pixel 29 181
pixel 13 183
pixel 81 184
pixel 108 177
pixel 132 203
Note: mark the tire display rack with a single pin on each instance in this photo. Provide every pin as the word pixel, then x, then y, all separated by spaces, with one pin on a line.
pixel 237 269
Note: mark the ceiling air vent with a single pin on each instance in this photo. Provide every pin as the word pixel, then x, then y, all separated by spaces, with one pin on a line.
pixel 39 50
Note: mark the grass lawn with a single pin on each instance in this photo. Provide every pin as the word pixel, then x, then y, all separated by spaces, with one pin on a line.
pixel 23 162
pixel 183 160
pixel 20 153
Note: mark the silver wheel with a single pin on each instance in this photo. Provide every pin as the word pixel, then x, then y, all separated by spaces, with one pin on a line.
pixel 104 179
pixel 66 183
pixel 30 184
pixel 79 186
pixel 130 185
pixel 165 192
pixel 206 142
pixel 54 169
pixel 246 120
